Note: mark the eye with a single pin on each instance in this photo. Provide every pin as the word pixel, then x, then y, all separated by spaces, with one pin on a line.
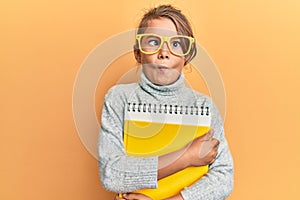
pixel 153 42
pixel 176 43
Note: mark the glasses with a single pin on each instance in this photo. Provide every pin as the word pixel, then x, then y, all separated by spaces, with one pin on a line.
pixel 179 45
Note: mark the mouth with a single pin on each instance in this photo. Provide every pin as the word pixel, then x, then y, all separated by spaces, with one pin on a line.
pixel 162 67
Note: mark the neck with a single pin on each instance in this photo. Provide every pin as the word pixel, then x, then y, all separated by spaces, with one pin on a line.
pixel 163 90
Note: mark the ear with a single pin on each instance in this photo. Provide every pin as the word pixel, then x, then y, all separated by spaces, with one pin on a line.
pixel 137 53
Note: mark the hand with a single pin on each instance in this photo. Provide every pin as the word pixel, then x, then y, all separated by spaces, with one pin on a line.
pixel 175 197
pixel 202 150
pixel 133 196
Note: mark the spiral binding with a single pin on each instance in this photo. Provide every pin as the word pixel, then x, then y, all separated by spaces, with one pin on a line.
pixel 170 109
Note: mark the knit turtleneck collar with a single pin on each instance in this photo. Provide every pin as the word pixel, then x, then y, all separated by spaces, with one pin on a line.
pixel 164 90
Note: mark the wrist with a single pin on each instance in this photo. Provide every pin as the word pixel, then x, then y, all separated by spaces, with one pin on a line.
pixel 171 163
pixel 186 158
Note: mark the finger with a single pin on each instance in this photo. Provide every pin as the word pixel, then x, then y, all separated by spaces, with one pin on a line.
pixel 215 155
pixel 131 196
pixel 210 134
pixel 216 150
pixel 212 153
pixel 212 161
pixel 215 142
pixel 135 196
pixel 207 136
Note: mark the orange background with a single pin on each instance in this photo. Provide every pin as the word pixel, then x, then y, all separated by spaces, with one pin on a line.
pixel 255 45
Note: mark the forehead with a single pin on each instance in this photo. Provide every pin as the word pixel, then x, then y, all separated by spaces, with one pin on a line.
pixel 161 26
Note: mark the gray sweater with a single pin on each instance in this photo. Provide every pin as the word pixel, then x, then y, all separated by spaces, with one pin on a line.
pixel 121 173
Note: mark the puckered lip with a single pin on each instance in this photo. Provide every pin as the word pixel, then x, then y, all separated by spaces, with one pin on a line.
pixel 162 66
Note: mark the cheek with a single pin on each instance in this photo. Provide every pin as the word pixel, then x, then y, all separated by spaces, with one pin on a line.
pixel 145 59
pixel 179 64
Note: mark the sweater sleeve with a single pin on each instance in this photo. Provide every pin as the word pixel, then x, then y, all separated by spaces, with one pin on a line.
pixel 119 172
pixel 218 182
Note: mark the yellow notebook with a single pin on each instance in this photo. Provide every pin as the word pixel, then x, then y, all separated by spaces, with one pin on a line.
pixel 154 130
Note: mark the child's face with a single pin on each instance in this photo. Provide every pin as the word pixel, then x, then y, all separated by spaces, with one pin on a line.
pixel 163 67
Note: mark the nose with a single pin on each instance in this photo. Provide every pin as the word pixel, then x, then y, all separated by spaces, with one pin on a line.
pixel 164 52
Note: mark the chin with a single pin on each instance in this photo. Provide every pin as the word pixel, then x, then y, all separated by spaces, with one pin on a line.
pixel 164 82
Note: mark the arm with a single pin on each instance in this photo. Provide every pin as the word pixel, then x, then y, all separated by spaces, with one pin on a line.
pixel 119 172
pixel 137 196
pixel 218 182
pixel 201 151
pixel 122 173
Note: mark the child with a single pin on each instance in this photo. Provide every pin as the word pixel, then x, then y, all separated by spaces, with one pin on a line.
pixel 162 57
